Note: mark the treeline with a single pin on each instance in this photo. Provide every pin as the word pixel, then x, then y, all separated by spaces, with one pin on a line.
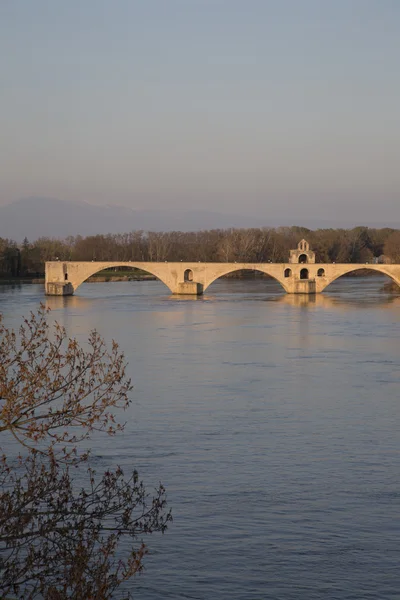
pixel 358 245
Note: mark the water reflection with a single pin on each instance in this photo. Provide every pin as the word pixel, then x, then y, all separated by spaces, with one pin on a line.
pixel 340 301
pixel 188 297
pixel 70 302
pixel 272 419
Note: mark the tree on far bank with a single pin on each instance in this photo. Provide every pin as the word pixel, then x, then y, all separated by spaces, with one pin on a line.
pixel 263 244
pixel 65 533
pixel 392 247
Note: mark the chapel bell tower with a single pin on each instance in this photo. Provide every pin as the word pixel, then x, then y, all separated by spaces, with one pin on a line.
pixel 302 254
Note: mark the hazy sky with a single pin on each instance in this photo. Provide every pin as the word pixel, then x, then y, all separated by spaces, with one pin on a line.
pixel 258 106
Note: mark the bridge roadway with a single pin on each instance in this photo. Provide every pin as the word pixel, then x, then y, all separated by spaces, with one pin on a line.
pixel 64 277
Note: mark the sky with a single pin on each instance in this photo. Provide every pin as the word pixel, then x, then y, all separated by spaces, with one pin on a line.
pixel 258 107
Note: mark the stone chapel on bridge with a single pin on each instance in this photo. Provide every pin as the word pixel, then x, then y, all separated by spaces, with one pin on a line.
pixel 302 254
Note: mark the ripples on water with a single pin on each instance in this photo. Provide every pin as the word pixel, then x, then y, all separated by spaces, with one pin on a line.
pixel 272 420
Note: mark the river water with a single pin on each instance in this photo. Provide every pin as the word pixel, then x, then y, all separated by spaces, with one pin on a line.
pixel 272 420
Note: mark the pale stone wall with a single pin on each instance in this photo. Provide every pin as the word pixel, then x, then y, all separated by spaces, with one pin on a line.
pixel 63 278
pixel 303 249
pixel 295 256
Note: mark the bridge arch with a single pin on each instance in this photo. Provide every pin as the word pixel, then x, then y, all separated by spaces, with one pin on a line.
pixel 255 268
pixel 80 272
pixel 380 269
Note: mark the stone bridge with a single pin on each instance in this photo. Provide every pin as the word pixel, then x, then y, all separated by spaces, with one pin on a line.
pixel 64 278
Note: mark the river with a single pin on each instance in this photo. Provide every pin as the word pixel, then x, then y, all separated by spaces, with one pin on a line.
pixel 272 420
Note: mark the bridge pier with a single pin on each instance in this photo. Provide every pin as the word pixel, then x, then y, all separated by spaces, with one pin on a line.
pixel 302 286
pixel 57 281
pixel 188 288
pixel 55 288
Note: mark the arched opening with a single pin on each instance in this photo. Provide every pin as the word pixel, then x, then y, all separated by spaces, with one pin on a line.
pixel 120 273
pixel 245 281
pixel 116 272
pixel 304 274
pixel 321 272
pixel 363 282
pixel 66 276
pixel 288 272
pixel 303 259
pixel 188 275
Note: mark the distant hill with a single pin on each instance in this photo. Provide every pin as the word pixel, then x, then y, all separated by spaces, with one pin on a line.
pixel 36 217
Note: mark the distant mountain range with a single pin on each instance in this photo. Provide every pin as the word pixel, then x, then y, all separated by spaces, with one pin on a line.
pixel 36 217
pixel 48 217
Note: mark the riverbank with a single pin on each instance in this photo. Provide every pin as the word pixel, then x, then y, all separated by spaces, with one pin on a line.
pixel 94 279
pixel 108 278
pixel 19 280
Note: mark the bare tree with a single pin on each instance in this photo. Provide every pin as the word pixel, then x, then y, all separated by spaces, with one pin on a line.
pixel 60 539
pixel 392 247
pixel 360 244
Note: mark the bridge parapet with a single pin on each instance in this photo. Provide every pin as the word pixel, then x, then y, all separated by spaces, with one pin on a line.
pixel 63 278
